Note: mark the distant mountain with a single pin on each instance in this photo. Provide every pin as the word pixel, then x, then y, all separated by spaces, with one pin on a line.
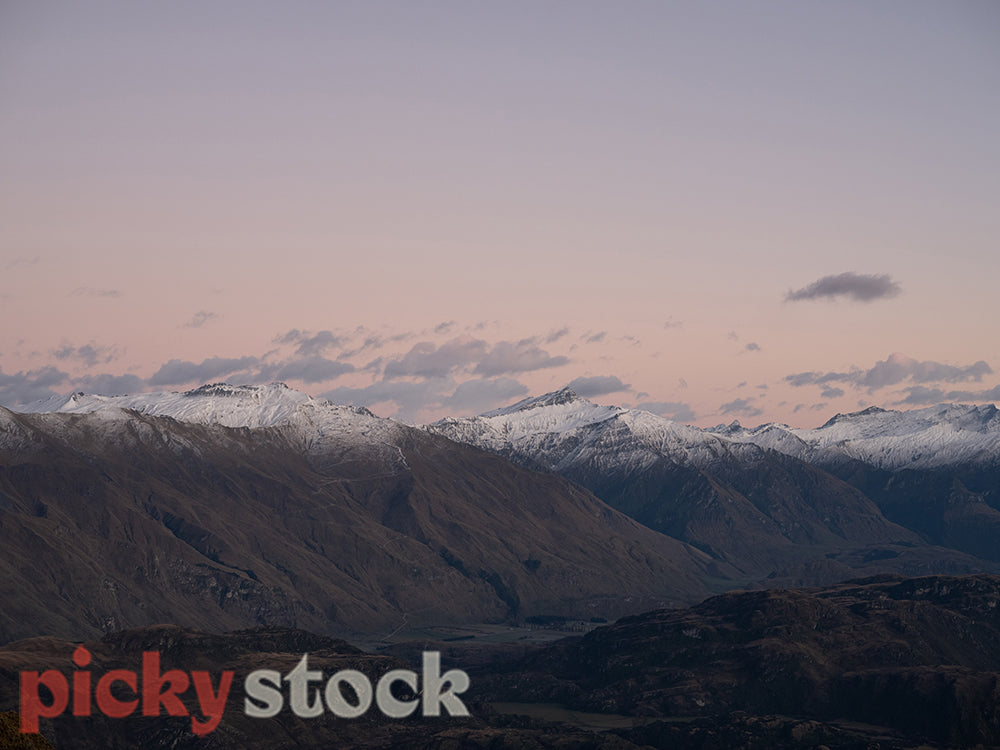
pixel 931 438
pixel 760 500
pixel 226 507
pixel 934 470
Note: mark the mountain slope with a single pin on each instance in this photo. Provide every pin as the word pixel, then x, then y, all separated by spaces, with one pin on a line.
pixel 933 470
pixel 763 510
pixel 313 516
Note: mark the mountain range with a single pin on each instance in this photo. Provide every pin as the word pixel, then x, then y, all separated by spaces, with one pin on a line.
pixel 233 506
pixel 912 492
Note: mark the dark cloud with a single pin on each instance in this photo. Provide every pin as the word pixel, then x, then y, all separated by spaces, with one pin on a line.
pixel 428 360
pixel 476 396
pixel 507 357
pixel 856 286
pixel 311 344
pixel 595 338
pixel 678 411
pixel 200 318
pixel 815 378
pixel 89 291
pixel 107 384
pixel 90 354
pixel 25 387
pixel 919 395
pixel 598 385
pixel 742 406
pixel 311 370
pixel 556 335
pixel 896 368
pixel 176 372
pixel 753 346
pixel 409 398
pixel 444 327
pixel 832 392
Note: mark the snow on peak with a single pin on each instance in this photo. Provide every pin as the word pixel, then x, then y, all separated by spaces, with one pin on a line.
pixel 228 405
pixel 564 395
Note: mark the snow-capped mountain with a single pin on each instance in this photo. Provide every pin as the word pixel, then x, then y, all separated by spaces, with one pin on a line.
pixel 930 438
pixel 561 430
pixel 235 505
pixel 748 504
pixel 309 422
pixel 746 494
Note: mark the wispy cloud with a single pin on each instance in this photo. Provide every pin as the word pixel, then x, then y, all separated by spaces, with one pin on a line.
pixel 89 291
pixel 200 318
pixel 90 354
pixel 678 411
pixel 742 406
pixel 176 371
pixel 894 369
pixel 597 385
pixel 311 344
pixel 25 387
pixel 855 286
pixel 19 263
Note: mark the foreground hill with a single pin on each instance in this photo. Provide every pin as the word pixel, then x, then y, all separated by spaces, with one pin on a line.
pixel 889 662
pixel 298 513
pixel 919 657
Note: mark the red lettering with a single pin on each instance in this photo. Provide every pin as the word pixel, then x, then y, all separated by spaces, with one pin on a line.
pixel 212 704
pixel 153 683
pixel 110 705
pixel 31 702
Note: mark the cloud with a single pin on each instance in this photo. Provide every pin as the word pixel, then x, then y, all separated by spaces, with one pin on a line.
pixel 832 392
pixel 595 338
pixel 895 369
pixel 410 398
pixel 18 263
pixel 428 360
pixel 107 384
pixel 855 286
pixel 89 291
pixel 919 395
pixel 176 371
pixel 598 385
pixel 310 370
pixel 815 378
pixel 444 327
pixel 678 411
pixel 475 396
pixel 507 357
pixel 556 335
pixel 671 323
pixel 90 354
pixel 741 406
pixel 753 346
pixel 25 387
pixel 311 344
pixel 200 318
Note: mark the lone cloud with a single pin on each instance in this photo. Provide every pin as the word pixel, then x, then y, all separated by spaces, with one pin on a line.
pixel 856 286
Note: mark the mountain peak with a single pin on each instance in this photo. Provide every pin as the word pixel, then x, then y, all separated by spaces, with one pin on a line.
pixel 836 418
pixel 565 395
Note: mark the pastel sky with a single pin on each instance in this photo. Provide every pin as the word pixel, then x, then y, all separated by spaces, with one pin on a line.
pixel 729 210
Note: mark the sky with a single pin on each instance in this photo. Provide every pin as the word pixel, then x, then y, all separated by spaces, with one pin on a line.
pixel 763 211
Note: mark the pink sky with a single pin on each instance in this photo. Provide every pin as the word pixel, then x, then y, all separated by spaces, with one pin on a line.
pixel 503 199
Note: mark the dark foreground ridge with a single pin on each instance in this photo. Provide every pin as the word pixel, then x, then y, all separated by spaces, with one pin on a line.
pixel 883 662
